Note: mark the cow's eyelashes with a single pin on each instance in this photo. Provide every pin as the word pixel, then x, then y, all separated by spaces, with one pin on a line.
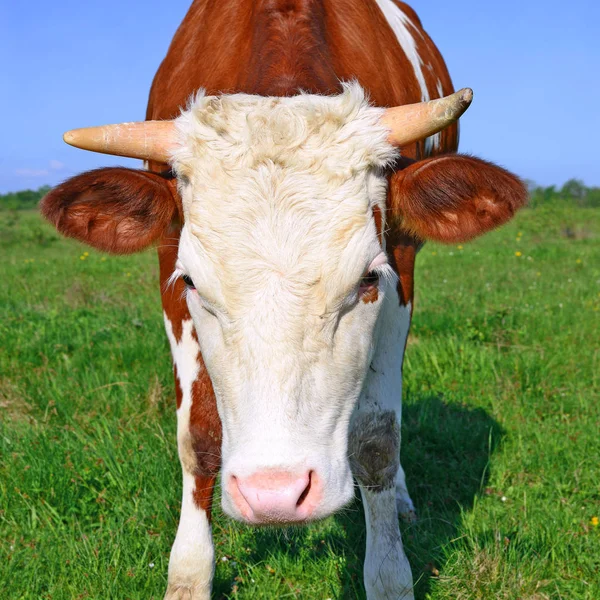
pixel 371 279
pixel 206 305
pixel 188 281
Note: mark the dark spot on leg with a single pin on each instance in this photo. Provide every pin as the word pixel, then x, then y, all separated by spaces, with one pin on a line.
pixel 374 449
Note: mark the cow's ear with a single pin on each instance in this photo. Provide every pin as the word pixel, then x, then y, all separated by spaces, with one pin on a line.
pixel 117 210
pixel 453 198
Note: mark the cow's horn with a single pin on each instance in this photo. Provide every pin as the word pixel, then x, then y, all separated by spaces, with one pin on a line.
pixel 148 140
pixel 413 122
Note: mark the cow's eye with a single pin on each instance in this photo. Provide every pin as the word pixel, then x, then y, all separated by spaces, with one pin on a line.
pixel 188 281
pixel 371 279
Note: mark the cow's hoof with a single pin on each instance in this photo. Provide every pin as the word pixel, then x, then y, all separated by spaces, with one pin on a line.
pixel 175 592
pixel 406 509
pixel 409 516
pixel 185 592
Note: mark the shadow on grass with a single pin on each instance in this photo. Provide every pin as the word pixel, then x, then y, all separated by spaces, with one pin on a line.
pixel 446 450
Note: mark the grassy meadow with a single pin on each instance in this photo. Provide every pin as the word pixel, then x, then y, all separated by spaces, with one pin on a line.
pixel 501 432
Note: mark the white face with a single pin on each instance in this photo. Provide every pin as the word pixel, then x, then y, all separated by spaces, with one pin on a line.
pixel 279 233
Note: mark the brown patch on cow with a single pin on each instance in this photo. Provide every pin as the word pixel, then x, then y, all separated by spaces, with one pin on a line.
pixel 402 247
pixel 178 390
pixel 370 295
pixel 289 50
pixel 378 218
pixel 172 295
pixel 203 493
pixel 205 424
pixel 205 433
pixel 404 253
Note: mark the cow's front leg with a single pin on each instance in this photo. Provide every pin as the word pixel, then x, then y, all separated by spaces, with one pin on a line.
pixel 191 564
pixel 374 453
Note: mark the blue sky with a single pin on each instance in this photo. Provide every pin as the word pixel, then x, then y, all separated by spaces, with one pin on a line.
pixel 534 67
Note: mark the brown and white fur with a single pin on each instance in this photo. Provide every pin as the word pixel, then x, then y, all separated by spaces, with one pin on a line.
pixel 296 226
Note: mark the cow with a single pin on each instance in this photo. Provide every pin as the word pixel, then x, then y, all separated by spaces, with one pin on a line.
pixel 298 153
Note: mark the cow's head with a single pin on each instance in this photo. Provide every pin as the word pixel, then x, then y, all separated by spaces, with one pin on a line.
pixel 285 264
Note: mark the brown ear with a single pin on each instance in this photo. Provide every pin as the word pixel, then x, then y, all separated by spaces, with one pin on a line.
pixel 117 210
pixel 453 198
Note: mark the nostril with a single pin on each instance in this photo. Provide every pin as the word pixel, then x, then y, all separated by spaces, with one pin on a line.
pixel 306 491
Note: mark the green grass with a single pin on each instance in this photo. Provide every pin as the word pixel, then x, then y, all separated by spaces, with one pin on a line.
pixel 500 436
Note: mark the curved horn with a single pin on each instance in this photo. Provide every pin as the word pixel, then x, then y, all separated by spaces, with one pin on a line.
pixel 148 140
pixel 413 122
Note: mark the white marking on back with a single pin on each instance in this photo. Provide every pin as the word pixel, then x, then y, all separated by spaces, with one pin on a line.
pixel 440 88
pixel 400 24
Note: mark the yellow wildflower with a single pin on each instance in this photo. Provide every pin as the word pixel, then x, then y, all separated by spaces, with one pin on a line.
pixel 434 253
pixel 459 247
pixel 103 258
pixel 594 521
pixel 520 233
pixel 86 253
pixel 578 261
pixel 518 253
pixel 82 257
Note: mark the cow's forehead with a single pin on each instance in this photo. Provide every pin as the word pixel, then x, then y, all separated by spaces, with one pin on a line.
pixel 283 186
pixel 332 136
